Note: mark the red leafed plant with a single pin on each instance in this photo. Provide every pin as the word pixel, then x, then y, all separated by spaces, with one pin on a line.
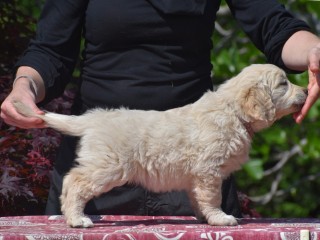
pixel 26 156
pixel 26 159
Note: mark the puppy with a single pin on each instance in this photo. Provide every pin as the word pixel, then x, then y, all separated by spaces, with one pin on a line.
pixel 192 148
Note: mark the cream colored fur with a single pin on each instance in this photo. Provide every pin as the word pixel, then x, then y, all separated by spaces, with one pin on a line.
pixel 192 148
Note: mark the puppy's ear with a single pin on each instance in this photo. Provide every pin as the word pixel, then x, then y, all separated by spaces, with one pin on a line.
pixel 257 103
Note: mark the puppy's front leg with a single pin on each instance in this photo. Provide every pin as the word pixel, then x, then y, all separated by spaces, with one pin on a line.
pixel 207 194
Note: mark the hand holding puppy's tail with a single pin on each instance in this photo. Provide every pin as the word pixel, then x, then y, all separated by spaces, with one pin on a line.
pixel 69 125
pixel 26 110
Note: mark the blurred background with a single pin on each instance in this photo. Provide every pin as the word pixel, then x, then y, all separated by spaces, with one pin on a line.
pixel 282 178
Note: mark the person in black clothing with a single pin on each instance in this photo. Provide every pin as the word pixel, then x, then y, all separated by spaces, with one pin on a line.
pixel 145 54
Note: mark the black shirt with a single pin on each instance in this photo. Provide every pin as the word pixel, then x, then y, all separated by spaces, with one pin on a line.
pixel 146 54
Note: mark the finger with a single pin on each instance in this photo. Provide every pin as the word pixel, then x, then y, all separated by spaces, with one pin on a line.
pixel 23 122
pixel 314 60
pixel 314 66
pixel 313 95
pixel 311 99
pixel 314 83
pixel 26 125
pixel 12 117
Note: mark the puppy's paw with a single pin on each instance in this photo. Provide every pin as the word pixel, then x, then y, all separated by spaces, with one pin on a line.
pixel 80 222
pixel 222 220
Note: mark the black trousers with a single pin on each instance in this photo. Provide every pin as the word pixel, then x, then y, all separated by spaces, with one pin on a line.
pixel 128 199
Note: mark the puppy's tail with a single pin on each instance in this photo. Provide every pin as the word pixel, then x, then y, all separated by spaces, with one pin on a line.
pixel 63 123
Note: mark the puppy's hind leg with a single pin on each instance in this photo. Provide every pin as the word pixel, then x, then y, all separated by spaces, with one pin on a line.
pixel 207 194
pixel 75 194
pixel 79 186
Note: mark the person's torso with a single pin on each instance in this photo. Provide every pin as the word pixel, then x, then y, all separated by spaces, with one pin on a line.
pixel 147 54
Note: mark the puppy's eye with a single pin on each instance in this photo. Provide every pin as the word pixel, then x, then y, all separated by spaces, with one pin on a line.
pixel 283 84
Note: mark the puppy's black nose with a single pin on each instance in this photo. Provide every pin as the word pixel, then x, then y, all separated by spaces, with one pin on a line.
pixel 305 91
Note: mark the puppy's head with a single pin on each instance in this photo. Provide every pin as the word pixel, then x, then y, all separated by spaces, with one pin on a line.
pixel 265 95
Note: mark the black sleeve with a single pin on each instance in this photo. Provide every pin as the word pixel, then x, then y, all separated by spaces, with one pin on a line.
pixel 268 24
pixel 55 49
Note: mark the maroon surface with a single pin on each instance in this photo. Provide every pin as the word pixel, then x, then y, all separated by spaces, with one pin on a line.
pixel 143 227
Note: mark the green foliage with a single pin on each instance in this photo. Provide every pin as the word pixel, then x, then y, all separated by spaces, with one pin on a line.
pixel 283 175
pixel 17 26
pixel 254 169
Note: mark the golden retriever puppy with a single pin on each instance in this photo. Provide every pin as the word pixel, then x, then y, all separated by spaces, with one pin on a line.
pixel 192 148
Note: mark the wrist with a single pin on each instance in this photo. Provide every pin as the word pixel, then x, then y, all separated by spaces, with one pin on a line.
pixel 32 83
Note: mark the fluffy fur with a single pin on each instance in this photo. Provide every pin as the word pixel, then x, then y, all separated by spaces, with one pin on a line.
pixel 192 148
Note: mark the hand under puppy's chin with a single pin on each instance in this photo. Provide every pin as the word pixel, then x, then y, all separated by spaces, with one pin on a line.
pixel 297 117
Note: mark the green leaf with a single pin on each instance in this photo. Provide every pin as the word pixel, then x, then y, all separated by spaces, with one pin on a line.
pixel 254 168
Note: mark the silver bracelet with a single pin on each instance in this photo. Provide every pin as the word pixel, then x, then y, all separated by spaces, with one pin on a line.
pixel 32 83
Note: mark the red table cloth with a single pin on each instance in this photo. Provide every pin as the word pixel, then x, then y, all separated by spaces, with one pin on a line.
pixel 163 228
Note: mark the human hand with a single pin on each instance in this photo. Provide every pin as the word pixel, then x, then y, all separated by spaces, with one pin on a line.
pixel 314 83
pixel 21 92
